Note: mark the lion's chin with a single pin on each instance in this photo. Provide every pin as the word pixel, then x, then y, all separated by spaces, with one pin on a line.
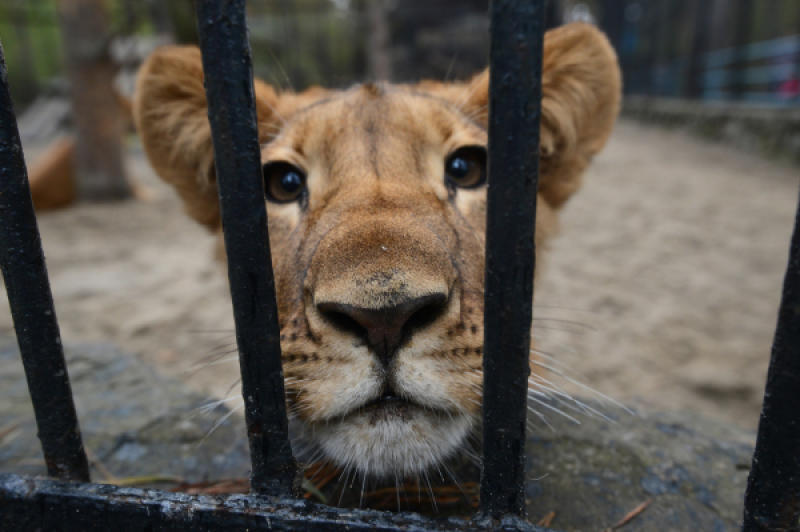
pixel 392 442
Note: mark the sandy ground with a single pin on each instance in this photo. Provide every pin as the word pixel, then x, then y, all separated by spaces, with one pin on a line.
pixel 662 289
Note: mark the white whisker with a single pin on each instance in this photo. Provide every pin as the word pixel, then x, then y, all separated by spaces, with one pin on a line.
pixel 220 422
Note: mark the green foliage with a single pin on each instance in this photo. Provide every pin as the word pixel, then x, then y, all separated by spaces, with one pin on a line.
pixel 31 42
pixel 31 37
pixel 306 42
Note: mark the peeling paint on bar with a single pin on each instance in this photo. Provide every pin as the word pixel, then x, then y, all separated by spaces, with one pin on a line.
pixel 237 157
pixel 30 504
pixel 514 111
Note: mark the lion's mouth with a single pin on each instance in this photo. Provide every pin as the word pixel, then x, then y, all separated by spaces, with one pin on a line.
pixel 387 399
pixel 390 406
pixel 391 433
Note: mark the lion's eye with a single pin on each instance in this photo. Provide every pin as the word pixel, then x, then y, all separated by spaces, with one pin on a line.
pixel 283 182
pixel 466 167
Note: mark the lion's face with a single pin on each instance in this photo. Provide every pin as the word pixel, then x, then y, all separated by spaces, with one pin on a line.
pixel 379 275
pixel 376 200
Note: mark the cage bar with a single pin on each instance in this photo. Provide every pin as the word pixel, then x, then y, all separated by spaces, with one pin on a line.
pixel 31 301
pixel 232 114
pixel 44 504
pixel 514 111
pixel 772 499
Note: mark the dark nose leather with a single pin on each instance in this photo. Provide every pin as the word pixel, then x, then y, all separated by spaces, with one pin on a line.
pixel 384 328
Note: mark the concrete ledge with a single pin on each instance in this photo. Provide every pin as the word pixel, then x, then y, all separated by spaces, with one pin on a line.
pixel 767 130
pixel 688 473
pixel 135 421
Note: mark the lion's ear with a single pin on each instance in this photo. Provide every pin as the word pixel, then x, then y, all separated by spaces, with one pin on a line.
pixel 171 116
pixel 581 86
pixel 580 101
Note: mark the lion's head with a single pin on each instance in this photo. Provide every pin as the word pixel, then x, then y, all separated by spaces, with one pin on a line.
pixel 376 198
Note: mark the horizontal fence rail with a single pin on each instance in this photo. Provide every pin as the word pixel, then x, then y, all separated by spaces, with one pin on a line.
pixel 232 114
pixel 41 504
pixel 31 301
pixel 726 50
pixel 514 112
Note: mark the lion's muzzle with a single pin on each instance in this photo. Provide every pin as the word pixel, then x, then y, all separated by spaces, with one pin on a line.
pixel 379 282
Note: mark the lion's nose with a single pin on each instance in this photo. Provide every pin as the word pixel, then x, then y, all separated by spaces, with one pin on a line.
pixel 386 327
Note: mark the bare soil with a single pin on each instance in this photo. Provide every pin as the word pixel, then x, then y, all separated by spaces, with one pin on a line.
pixel 662 289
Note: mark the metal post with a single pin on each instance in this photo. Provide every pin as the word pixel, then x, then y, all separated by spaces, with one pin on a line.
pixel 232 114
pixel 702 28
pixel 553 16
pixel 743 25
pixel 514 112
pixel 28 288
pixel 772 500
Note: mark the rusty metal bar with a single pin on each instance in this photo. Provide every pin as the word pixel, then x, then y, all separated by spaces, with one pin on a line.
pixel 232 114
pixel 28 289
pixel 514 110
pixel 772 500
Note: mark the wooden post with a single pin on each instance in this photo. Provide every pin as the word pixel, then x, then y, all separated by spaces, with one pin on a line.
pixel 96 110
pixel 380 61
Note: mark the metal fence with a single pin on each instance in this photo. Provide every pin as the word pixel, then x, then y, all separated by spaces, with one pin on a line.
pixel 714 50
pixel 516 48
pixel 516 51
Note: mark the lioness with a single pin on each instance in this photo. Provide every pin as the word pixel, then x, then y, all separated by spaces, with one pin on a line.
pixel 376 198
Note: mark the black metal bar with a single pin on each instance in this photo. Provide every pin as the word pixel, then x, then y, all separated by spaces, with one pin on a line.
pixel 41 504
pixel 232 114
pixel 772 500
pixel 695 85
pixel 514 112
pixel 553 14
pixel 28 289
pixel 742 30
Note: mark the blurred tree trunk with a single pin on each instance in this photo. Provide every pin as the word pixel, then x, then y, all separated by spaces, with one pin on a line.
pixel 96 110
pixel 160 17
pixel 380 62
pixel 182 19
pixel 130 14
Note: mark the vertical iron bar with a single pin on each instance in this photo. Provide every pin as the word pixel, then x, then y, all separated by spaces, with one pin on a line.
pixel 514 110
pixel 695 86
pixel 553 14
pixel 232 114
pixel 742 28
pixel 651 19
pixel 772 500
pixel 28 289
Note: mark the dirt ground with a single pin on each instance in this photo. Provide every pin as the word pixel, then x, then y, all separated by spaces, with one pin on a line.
pixel 662 289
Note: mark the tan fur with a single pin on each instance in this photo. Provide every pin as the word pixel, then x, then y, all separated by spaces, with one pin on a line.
pixel 380 228
pixel 52 175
